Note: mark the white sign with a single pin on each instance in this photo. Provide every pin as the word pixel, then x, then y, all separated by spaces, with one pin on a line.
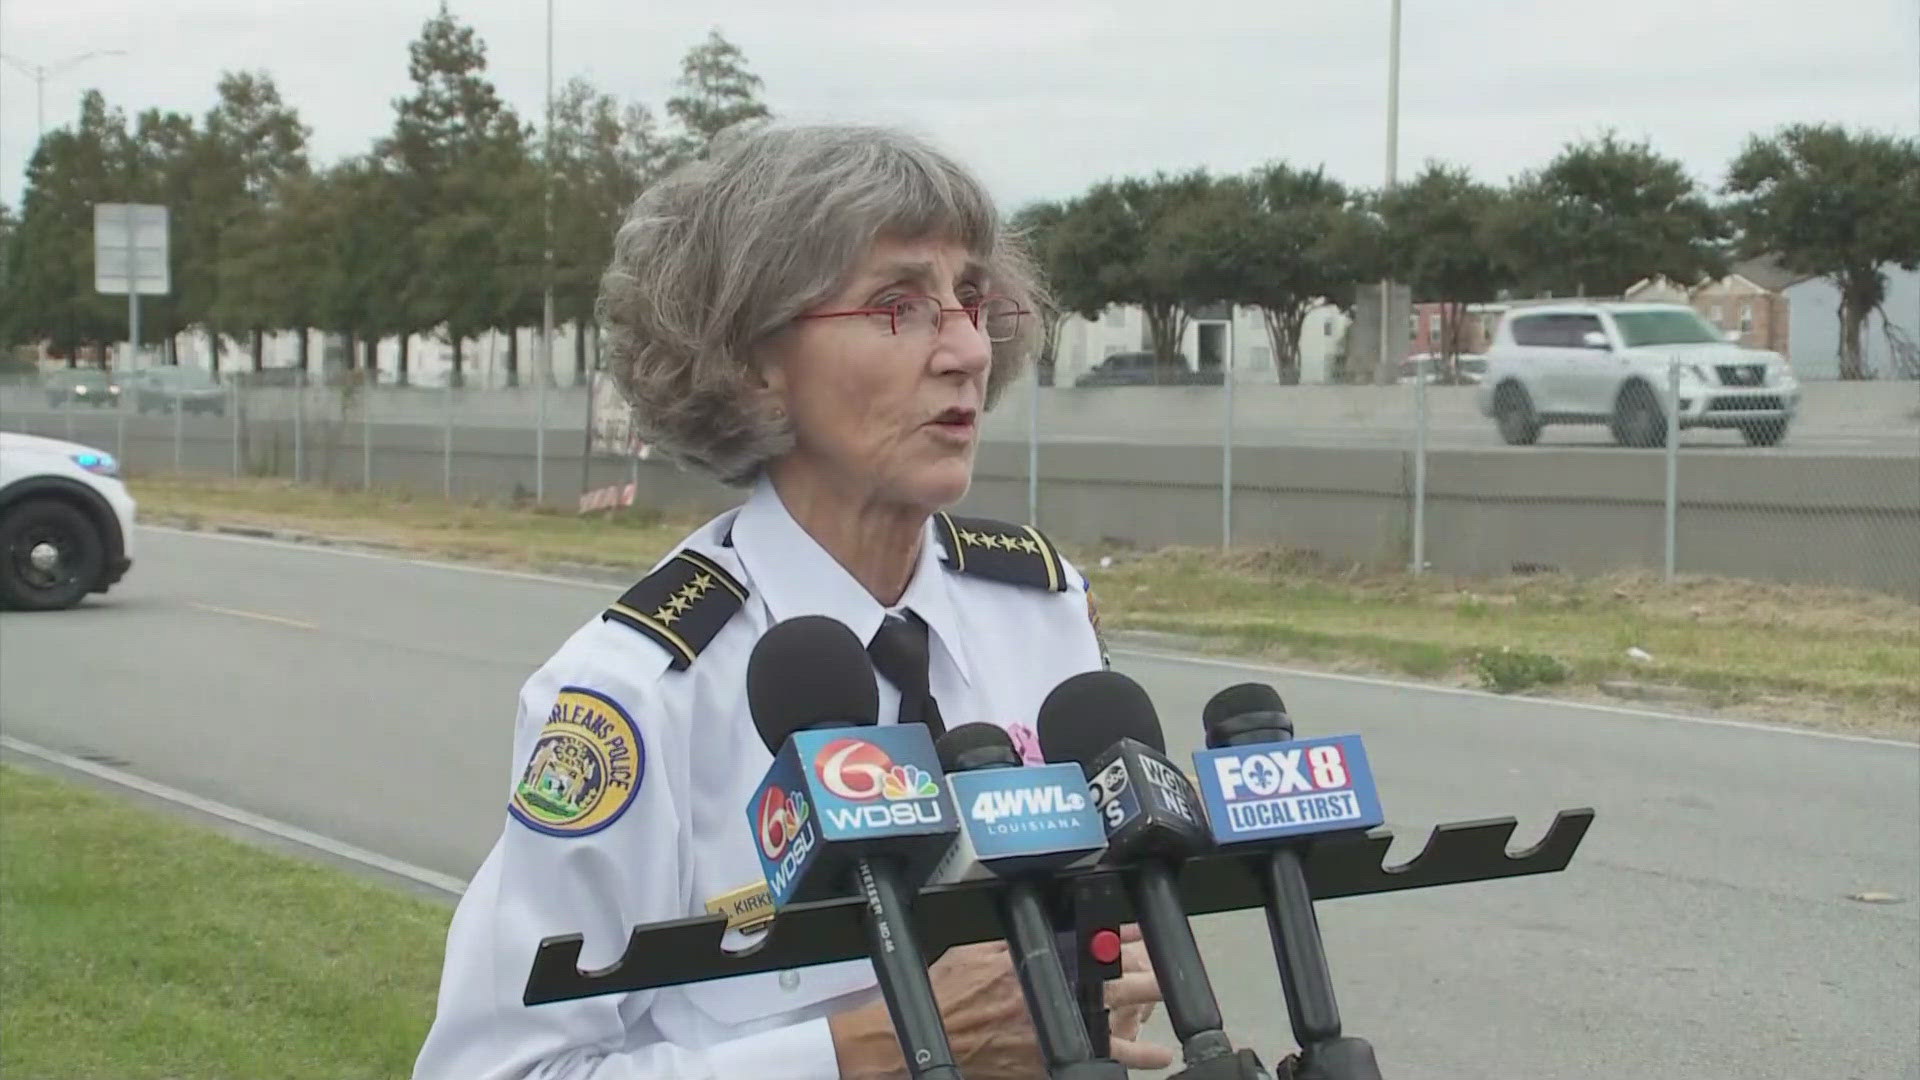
pixel 130 235
pixel 613 431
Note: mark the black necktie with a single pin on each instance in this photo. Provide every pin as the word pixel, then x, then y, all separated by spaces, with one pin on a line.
pixel 899 652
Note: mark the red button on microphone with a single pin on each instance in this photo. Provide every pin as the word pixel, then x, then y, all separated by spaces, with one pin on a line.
pixel 1104 945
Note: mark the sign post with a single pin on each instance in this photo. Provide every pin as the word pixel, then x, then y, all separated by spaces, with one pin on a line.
pixel 130 256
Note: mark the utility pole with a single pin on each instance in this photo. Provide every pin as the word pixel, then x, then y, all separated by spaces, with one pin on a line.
pixel 546 315
pixel 39 72
pixel 1393 169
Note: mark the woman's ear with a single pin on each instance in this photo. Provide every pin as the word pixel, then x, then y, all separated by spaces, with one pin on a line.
pixel 769 388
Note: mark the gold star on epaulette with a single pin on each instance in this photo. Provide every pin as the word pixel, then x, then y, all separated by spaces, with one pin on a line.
pixel 682 605
pixel 1015 554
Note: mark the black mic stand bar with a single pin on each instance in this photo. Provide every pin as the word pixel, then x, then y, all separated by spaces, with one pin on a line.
pixel 689 950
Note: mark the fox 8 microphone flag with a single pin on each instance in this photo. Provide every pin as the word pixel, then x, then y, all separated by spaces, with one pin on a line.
pixel 1275 791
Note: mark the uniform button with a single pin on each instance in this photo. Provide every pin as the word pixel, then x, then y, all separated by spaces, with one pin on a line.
pixel 789 980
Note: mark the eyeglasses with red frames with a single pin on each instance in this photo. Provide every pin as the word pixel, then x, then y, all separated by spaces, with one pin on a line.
pixel 999 316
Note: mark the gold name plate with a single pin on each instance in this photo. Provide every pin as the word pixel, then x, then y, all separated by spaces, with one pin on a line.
pixel 746 908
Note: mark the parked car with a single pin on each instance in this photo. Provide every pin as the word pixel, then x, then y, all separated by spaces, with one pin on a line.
pixel 1608 363
pixel 1468 368
pixel 1145 369
pixel 66 522
pixel 83 386
pixel 194 390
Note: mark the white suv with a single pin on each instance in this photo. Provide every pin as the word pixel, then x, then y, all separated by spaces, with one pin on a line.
pixel 1608 363
pixel 66 522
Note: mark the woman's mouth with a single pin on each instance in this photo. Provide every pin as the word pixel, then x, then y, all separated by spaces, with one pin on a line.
pixel 955 419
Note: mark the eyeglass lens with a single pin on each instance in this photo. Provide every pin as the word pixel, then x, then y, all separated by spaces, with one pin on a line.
pixel 999 316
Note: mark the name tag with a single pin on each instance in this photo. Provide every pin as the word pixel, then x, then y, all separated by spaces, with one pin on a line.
pixel 747 908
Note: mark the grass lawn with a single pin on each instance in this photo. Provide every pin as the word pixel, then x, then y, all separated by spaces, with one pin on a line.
pixel 134 945
pixel 1830 657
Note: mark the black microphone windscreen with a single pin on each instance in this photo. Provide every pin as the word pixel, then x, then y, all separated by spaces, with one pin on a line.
pixel 1088 713
pixel 975 746
pixel 1238 700
pixel 810 671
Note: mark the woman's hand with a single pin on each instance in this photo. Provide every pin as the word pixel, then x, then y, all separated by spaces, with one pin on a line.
pixel 1131 999
pixel 985 1013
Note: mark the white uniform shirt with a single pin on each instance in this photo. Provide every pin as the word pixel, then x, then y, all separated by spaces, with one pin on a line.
pixel 677 835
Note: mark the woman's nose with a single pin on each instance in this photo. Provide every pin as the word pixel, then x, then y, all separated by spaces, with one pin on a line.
pixel 963 346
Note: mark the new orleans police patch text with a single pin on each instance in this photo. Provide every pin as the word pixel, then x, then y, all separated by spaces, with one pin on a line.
pixel 585 767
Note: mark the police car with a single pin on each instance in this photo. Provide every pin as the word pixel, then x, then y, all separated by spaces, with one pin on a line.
pixel 66 522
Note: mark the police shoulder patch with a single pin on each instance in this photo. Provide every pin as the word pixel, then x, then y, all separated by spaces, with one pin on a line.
pixel 682 605
pixel 585 768
pixel 999 551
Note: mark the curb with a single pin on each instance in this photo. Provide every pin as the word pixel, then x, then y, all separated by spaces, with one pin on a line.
pixel 183 523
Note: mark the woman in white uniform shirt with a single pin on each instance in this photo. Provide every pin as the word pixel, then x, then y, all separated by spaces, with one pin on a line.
pixel 819 316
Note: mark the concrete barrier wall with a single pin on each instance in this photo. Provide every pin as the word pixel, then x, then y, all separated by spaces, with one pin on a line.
pixel 1195 413
pixel 1192 415
pixel 1837 519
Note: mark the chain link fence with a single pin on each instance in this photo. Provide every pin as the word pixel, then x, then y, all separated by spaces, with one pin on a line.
pixel 338 431
pixel 1412 475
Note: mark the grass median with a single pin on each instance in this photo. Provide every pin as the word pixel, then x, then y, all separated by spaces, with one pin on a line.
pixel 137 946
pixel 1830 657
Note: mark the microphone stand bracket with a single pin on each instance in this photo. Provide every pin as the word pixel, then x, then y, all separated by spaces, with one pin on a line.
pixel 829 931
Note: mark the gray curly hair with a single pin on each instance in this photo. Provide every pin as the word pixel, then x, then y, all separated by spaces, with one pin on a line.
pixel 716 258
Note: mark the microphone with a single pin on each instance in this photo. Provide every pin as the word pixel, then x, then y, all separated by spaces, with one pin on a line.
pixel 1266 790
pixel 1025 823
pixel 848 805
pixel 1153 821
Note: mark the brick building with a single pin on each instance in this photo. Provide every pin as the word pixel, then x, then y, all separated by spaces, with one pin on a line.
pixel 1750 299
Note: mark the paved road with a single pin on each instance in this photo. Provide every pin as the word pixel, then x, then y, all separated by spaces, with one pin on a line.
pixel 1703 930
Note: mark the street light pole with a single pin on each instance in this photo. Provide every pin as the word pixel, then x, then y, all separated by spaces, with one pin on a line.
pixel 1419 545
pixel 39 72
pixel 546 316
pixel 1393 168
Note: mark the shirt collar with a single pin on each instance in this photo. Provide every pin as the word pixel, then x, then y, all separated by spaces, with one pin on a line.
pixel 795 576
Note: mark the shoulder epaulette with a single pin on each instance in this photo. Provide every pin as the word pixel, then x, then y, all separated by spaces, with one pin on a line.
pixel 682 605
pixel 999 551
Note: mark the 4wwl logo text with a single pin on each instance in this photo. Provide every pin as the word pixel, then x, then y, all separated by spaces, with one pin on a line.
pixel 1033 809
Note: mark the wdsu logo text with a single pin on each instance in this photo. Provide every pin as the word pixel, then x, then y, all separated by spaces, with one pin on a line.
pixel 874 791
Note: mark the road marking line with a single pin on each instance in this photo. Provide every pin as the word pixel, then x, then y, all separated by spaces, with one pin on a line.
pixel 239 614
pixel 450 885
pixel 1187 658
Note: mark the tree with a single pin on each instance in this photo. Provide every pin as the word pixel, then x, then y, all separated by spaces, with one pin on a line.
pixel 717 91
pixel 253 145
pixel 1835 204
pixel 1036 224
pixel 459 156
pixel 1107 249
pixel 50 292
pixel 342 223
pixel 1280 239
pixel 1604 215
pixel 1437 239
pixel 12 332
pixel 603 157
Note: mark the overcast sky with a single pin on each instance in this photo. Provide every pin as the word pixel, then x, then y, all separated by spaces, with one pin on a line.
pixel 1045 96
